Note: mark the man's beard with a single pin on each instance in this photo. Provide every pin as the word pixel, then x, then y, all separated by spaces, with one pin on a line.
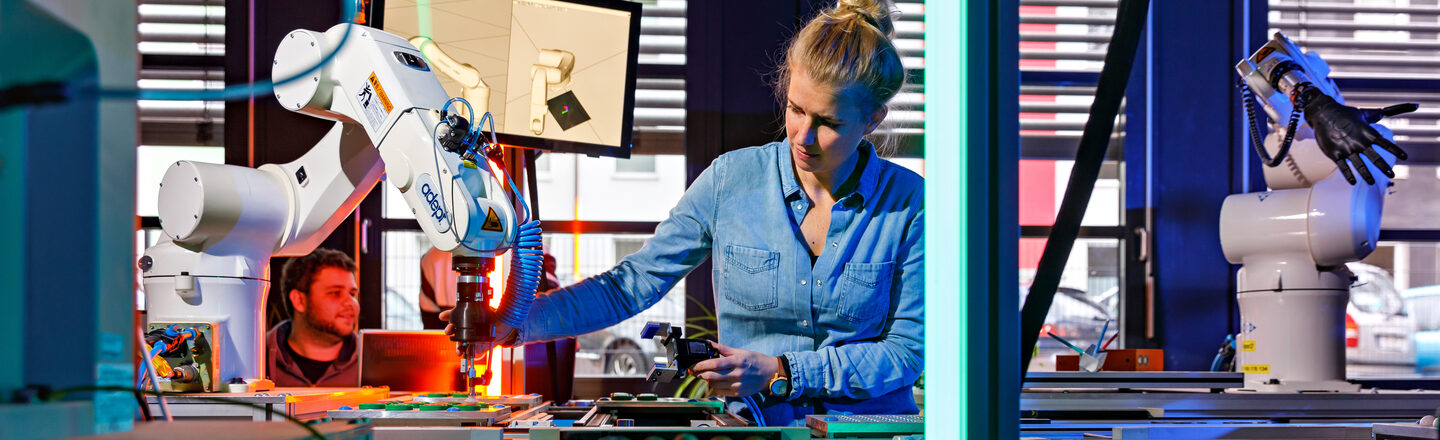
pixel 332 328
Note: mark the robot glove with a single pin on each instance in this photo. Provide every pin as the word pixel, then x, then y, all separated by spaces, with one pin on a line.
pixel 1344 133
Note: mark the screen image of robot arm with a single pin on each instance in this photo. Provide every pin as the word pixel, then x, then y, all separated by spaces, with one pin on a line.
pixel 472 87
pixel 551 71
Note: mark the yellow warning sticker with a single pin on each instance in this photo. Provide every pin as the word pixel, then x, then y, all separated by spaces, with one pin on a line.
pixel 1247 345
pixel 1255 368
pixel 492 222
pixel 380 93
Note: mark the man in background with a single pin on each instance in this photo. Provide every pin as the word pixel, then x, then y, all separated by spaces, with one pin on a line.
pixel 317 346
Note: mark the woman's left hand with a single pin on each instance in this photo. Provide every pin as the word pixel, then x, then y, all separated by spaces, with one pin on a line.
pixel 739 373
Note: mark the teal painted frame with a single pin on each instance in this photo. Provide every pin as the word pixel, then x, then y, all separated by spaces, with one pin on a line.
pixel 971 166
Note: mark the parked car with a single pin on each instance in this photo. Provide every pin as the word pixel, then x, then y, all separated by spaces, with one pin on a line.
pixel 1377 328
pixel 1423 305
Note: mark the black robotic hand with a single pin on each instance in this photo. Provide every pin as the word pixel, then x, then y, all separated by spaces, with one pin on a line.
pixel 1344 133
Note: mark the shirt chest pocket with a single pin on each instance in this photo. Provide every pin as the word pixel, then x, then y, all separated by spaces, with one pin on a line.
pixel 750 277
pixel 864 291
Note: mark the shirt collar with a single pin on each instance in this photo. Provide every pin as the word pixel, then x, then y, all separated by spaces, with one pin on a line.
pixel 868 176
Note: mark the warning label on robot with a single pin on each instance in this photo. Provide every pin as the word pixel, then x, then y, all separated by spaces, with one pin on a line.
pixel 1255 368
pixel 492 222
pixel 375 103
pixel 1247 345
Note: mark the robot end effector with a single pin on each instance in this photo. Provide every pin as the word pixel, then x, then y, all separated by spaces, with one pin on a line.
pixel 1280 70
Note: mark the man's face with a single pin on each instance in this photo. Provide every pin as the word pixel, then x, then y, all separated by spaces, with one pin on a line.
pixel 331 305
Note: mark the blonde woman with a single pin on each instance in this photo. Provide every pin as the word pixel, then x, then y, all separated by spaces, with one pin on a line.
pixel 817 243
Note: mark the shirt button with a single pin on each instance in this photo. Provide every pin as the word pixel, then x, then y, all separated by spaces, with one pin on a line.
pixel 802 282
pixel 804 323
pixel 834 244
pixel 819 283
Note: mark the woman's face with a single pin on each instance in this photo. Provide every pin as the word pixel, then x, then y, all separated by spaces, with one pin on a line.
pixel 825 125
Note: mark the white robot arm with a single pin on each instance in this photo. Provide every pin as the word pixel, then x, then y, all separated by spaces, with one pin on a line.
pixel 1293 240
pixel 222 223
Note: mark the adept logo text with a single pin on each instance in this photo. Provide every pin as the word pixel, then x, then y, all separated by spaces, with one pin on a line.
pixel 433 202
pixel 437 210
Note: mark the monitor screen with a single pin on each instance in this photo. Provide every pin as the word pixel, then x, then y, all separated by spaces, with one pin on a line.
pixel 409 361
pixel 555 75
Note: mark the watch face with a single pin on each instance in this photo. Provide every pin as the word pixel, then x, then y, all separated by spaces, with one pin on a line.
pixel 780 387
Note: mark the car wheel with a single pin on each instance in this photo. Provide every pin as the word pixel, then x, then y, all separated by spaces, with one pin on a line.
pixel 625 360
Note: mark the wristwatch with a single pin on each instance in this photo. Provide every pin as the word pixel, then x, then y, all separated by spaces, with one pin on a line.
pixel 780 383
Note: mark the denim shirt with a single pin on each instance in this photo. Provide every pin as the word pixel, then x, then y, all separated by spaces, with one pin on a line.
pixel 851 327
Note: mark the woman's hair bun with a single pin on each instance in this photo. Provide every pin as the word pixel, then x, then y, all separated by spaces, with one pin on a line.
pixel 875 12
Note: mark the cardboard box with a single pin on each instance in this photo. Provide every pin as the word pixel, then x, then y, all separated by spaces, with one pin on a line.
pixel 1136 359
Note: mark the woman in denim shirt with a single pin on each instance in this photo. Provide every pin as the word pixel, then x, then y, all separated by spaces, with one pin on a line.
pixel 817 243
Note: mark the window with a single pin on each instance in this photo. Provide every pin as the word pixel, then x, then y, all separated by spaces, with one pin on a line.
pixel 181 45
pixel 901 133
pixel 1062 48
pixel 1384 52
pixel 624 246
pixel 403 250
pixel 542 166
pixel 642 165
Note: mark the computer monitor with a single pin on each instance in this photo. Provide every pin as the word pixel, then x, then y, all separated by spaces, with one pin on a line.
pixel 409 361
pixel 560 74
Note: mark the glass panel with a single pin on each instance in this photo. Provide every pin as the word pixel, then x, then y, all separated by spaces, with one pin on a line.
pixel 1089 294
pixel 1042 189
pixel 393 203
pixel 640 164
pixel 1411 203
pixel 150 164
pixel 1393 326
pixel 1065 38
pixel 618 350
pixel 402 278
pixel 608 195
pixel 910 163
pixel 144 238
pixel 1053 116
pixel 1380 38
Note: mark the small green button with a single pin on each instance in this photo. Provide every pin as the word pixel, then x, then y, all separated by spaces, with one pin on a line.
pixel 467 407
pixel 372 406
pixel 438 395
pixel 621 396
pixel 648 397
pixel 433 408
pixel 398 407
pixel 459 395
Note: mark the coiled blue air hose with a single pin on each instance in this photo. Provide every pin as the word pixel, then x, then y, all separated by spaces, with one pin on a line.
pixel 526 268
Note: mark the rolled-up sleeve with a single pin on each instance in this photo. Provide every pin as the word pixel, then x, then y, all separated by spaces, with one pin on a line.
pixel 681 243
pixel 865 369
